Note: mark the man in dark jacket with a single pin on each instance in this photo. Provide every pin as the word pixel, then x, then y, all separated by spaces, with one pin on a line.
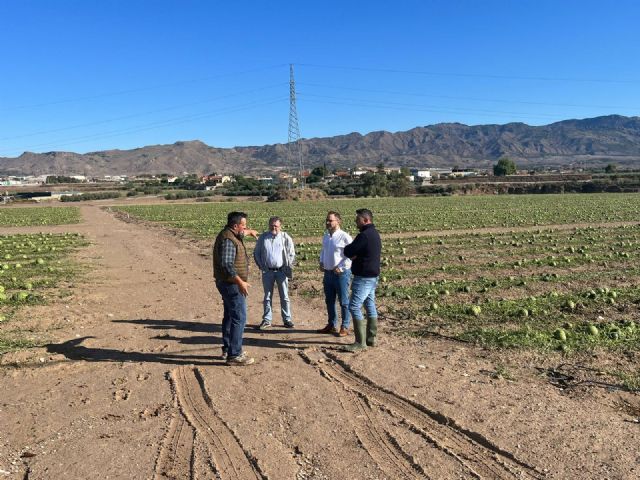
pixel 231 272
pixel 365 252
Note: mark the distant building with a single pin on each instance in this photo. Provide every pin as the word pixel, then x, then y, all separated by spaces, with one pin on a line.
pixel 421 173
pixel 215 179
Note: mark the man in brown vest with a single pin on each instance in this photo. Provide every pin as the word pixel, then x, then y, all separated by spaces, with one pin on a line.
pixel 231 271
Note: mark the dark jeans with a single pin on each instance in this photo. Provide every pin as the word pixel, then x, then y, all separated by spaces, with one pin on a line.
pixel 337 285
pixel 234 319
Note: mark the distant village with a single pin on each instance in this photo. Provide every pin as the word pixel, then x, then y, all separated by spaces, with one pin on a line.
pixel 354 182
pixel 211 180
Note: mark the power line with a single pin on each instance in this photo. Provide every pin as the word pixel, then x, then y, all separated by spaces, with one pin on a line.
pixel 474 99
pixel 141 89
pixel 428 108
pixel 151 126
pixel 141 114
pixel 469 75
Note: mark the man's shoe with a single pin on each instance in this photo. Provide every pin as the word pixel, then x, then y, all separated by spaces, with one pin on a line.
pixel 264 325
pixel 241 360
pixel 223 356
pixel 328 329
pixel 289 324
pixel 343 332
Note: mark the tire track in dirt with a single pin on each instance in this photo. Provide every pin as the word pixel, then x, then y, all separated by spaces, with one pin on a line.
pixel 377 442
pixel 199 443
pixel 362 399
pixel 175 457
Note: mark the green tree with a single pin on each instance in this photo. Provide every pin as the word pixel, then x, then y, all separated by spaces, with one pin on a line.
pixel 374 185
pixel 611 168
pixel 398 185
pixel 505 166
pixel 317 174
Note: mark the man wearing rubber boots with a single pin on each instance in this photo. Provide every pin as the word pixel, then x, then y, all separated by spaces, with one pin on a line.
pixel 364 252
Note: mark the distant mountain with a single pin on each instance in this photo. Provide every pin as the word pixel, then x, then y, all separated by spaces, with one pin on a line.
pixel 591 142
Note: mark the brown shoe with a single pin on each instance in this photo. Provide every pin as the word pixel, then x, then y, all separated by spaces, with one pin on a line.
pixel 328 329
pixel 343 332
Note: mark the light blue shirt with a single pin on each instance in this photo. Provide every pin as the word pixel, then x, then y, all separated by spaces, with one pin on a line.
pixel 273 247
pixel 274 252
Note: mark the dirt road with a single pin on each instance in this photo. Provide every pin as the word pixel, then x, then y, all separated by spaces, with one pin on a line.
pixel 132 386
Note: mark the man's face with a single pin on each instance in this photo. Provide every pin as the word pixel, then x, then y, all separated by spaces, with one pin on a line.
pixel 332 223
pixel 275 227
pixel 360 222
pixel 240 228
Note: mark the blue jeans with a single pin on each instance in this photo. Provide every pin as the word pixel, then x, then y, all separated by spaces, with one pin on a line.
pixel 269 278
pixel 363 292
pixel 337 285
pixel 234 319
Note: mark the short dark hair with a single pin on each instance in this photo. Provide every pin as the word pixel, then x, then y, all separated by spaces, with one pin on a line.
pixel 275 219
pixel 234 218
pixel 335 214
pixel 365 213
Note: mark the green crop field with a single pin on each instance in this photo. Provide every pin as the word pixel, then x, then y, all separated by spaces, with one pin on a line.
pixel 304 219
pixel 31 266
pixel 26 217
pixel 573 285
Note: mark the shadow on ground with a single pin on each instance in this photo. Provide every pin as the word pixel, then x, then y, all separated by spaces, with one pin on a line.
pixel 209 354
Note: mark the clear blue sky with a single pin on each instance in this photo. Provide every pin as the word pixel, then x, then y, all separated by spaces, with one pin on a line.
pixel 84 75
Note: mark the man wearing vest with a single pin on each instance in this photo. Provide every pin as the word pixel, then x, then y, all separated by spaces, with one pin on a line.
pixel 365 252
pixel 274 255
pixel 231 272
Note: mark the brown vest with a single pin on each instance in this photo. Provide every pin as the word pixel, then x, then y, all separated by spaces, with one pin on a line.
pixel 241 263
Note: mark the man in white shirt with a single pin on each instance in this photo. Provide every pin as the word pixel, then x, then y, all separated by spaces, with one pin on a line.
pixel 337 275
pixel 274 255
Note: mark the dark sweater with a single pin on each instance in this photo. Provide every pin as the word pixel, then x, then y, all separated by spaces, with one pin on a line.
pixel 366 249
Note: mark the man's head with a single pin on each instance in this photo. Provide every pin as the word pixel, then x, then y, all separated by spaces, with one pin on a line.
pixel 333 221
pixel 237 222
pixel 363 217
pixel 275 225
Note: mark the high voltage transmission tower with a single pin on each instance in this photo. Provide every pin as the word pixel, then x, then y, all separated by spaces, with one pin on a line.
pixel 293 144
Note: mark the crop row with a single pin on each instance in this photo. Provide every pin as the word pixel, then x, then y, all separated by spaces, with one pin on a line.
pixel 392 215
pixel 33 216
pixel 31 265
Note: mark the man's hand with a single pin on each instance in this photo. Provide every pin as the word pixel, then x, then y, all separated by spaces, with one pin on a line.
pixel 321 267
pixel 243 287
pixel 337 270
pixel 251 233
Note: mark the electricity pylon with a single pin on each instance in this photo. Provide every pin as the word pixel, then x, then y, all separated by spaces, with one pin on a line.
pixel 293 143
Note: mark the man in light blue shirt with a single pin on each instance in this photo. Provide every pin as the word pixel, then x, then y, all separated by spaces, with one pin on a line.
pixel 274 255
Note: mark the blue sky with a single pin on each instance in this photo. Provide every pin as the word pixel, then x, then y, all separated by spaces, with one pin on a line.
pixel 95 75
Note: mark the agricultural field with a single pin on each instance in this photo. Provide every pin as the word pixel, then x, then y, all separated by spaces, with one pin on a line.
pixel 400 215
pixel 559 288
pixel 31 267
pixel 33 216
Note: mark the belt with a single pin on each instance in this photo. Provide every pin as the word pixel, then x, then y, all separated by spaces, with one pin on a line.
pixel 274 269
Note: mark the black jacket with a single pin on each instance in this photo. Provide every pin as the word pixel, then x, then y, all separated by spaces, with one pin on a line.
pixel 366 249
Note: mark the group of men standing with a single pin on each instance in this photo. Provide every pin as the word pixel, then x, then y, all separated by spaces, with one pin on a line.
pixel 344 262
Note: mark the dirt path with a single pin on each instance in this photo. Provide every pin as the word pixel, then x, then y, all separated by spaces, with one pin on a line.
pixel 132 386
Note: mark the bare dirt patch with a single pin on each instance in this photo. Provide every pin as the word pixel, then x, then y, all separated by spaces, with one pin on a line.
pixel 131 385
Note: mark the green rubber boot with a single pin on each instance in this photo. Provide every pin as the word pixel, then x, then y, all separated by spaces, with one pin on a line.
pixel 359 327
pixel 372 330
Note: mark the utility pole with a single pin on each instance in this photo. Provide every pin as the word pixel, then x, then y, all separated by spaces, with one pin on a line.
pixel 293 144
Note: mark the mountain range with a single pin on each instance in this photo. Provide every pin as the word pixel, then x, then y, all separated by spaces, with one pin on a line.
pixel 591 142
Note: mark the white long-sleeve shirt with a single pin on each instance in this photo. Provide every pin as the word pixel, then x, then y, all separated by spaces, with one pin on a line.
pixel 332 252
